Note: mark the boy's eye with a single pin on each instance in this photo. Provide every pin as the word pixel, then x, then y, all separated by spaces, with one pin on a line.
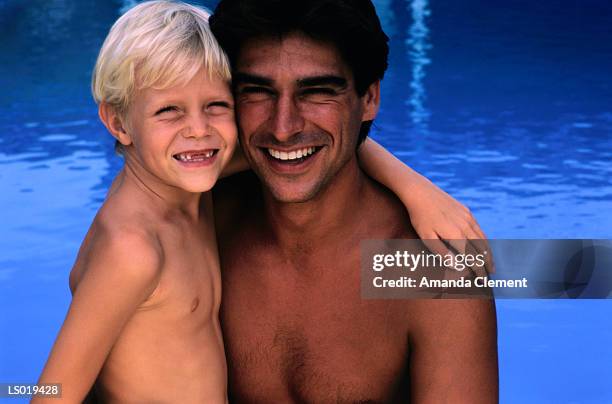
pixel 222 104
pixel 169 108
pixel 219 107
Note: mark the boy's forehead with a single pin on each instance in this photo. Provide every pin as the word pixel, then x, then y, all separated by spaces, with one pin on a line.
pixel 295 55
pixel 201 84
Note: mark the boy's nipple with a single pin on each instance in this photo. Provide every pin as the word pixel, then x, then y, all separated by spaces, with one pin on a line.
pixel 195 304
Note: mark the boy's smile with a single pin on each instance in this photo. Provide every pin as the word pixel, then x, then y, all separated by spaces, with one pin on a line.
pixel 196 158
pixel 183 135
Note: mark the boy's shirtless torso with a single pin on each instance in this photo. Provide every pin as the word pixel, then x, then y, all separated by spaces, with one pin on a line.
pixel 171 349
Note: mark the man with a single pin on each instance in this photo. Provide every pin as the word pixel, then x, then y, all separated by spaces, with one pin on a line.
pixel 307 88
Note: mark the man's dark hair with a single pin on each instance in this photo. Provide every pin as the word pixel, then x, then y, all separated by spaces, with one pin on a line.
pixel 352 26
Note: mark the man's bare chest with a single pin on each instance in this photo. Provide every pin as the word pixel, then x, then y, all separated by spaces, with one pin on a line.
pixel 311 337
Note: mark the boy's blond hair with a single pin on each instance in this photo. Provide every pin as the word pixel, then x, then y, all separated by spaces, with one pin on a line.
pixel 157 44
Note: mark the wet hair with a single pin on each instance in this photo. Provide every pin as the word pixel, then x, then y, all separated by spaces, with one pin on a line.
pixel 352 26
pixel 156 44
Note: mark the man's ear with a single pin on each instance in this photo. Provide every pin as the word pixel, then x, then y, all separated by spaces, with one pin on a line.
pixel 115 123
pixel 371 101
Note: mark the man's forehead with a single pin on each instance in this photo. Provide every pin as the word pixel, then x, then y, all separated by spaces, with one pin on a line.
pixel 295 54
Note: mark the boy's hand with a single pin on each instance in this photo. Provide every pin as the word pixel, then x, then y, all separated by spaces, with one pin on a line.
pixel 442 222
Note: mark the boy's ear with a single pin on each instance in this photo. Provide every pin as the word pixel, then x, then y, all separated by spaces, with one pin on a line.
pixel 114 122
pixel 371 101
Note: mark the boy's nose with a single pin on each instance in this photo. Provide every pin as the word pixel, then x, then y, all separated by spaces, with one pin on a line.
pixel 199 126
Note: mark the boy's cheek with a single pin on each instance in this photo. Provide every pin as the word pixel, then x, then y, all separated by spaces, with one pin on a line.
pixel 231 147
pixel 228 131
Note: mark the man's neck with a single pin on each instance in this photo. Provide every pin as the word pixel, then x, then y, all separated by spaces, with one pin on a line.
pixel 323 218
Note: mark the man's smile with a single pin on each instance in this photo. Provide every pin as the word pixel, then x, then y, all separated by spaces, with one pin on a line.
pixel 292 155
pixel 291 161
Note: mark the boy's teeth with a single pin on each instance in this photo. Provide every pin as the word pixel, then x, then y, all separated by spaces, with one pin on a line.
pixel 195 156
pixel 292 155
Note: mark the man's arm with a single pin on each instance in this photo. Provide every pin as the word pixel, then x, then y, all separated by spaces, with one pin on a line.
pixel 122 273
pixel 454 352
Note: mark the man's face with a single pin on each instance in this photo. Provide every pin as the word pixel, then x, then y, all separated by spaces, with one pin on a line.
pixel 298 113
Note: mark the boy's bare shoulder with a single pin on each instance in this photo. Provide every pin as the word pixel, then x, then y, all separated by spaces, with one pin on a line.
pixel 120 245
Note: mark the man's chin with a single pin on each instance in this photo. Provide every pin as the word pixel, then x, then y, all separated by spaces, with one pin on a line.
pixel 284 193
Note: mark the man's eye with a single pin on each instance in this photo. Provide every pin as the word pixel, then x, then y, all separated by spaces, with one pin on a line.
pixel 319 91
pixel 254 90
pixel 169 108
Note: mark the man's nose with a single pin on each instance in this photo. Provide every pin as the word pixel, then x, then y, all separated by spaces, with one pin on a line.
pixel 287 119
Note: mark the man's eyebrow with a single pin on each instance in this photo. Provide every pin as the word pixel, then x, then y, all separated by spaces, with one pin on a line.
pixel 314 81
pixel 241 78
pixel 327 80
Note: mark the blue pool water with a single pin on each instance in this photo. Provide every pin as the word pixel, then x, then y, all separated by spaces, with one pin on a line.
pixel 507 107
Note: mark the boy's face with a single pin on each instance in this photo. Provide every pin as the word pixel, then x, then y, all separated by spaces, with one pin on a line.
pixel 183 135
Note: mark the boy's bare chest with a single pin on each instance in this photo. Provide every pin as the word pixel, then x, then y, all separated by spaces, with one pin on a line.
pixel 309 337
pixel 177 324
pixel 191 277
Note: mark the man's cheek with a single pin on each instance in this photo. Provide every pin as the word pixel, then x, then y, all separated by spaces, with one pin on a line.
pixel 253 107
pixel 321 113
pixel 329 119
pixel 249 119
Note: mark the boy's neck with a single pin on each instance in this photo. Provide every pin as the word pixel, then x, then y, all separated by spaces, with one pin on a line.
pixel 163 197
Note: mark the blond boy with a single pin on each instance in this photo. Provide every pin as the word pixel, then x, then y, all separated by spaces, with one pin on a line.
pixel 146 284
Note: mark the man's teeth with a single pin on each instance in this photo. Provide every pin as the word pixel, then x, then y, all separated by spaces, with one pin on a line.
pixel 195 156
pixel 292 155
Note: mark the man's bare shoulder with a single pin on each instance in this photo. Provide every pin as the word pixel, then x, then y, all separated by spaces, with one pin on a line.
pixel 392 219
pixel 452 315
pixel 119 243
pixel 454 347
